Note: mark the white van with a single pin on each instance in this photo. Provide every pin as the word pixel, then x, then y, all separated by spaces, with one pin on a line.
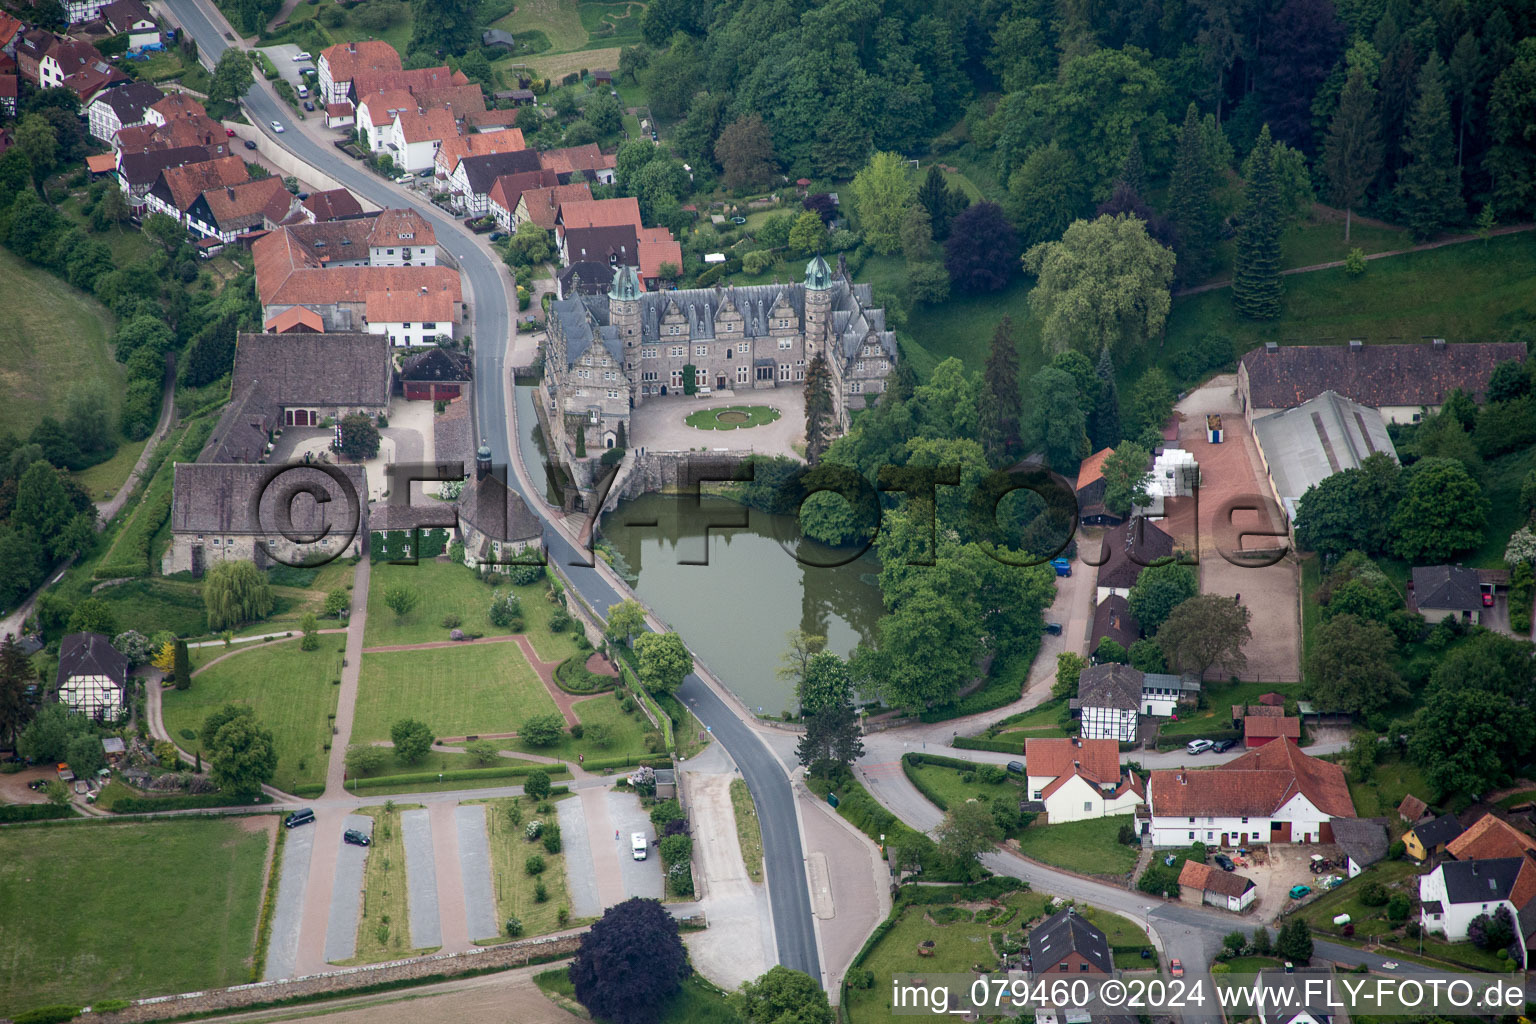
pixel 303 92
pixel 638 844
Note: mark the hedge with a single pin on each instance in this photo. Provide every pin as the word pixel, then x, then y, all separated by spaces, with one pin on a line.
pixel 985 743
pixel 48 1015
pixel 908 764
pixel 868 816
pixel 633 761
pixel 131 551
pixel 456 775
pixel 986 889
pixel 1174 742
pixel 940 761
pixel 187 802
pixel 309 789
pixel 34 812
pixel 268 906
pixel 576 665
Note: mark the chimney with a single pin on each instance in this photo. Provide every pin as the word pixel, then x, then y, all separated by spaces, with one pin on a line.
pixel 1270 348
pixel 1356 344
pixel 230 189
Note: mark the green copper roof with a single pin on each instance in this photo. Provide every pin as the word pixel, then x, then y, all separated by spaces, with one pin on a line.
pixel 626 286
pixel 818 276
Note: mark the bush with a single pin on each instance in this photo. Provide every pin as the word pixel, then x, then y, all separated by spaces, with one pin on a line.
pixel 1374 894
pixel 552 841
pixel 1354 262
pixel 514 927
pixel 48 1015
pixel 1398 850
pixel 534 865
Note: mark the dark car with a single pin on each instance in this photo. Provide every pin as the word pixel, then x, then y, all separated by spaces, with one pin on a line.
pixel 1017 767
pixel 1053 628
pixel 250 143
pixel 308 105
pixel 304 816
pixel 353 837
pixel 1222 746
pixel 1224 862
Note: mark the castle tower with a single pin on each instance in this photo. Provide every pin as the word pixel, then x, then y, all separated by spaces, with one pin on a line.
pixel 624 316
pixel 818 305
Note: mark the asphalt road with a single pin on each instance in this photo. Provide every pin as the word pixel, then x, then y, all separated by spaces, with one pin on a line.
pixel 789 895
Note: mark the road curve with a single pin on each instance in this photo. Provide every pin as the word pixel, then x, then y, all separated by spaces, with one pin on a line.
pixel 789 894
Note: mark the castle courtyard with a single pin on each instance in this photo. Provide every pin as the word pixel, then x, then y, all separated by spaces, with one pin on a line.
pixel 658 424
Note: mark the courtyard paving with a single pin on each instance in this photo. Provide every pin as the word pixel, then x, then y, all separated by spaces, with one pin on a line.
pixel 658 424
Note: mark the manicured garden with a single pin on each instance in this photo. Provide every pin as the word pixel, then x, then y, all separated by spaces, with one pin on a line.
pixel 1092 847
pixel 94 912
pixel 468 690
pixel 293 693
pixel 732 417
pixel 384 927
pixel 512 852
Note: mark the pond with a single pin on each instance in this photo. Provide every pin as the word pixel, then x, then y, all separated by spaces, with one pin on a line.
pixel 734 611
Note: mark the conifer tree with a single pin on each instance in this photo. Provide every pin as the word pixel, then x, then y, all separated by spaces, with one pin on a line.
pixel 1256 276
pixel 1105 427
pixel 818 408
pixel 1133 173
pixel 1000 404
pixel 181 672
pixel 581 441
pixel 1429 184
pixel 933 196
pixel 1352 153
pixel 1191 200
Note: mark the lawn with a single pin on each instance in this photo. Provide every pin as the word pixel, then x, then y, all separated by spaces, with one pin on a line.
pixel 749 831
pixel 292 693
pixel 87 914
pixel 1389 783
pixel 1037 723
pixel 958 945
pixel 731 417
pixel 446 588
pixel 559 20
pixel 516 894
pixel 949 785
pixel 1092 847
pixel 55 339
pixel 384 928
pixel 626 732
pixel 102 480
pixel 458 691
pixel 697 1002
pixel 1215 717
pixel 397 34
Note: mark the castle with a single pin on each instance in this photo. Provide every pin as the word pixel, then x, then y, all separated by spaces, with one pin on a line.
pixel 608 353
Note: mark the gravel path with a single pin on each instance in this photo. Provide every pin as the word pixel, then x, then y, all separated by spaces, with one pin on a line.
pixel 347 894
pixel 581 876
pixel 283 947
pixel 475 868
pixel 421 879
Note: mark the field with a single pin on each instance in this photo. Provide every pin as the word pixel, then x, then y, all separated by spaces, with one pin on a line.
pixel 86 913
pixel 1092 847
pixel 558 65
pixel 697 1002
pixel 383 932
pixel 444 588
pixel 55 338
pixel 749 831
pixel 948 784
pixel 458 691
pixel 515 888
pixel 398 34
pixel 1042 722
pixel 1389 783
pixel 102 480
pixel 291 691
pixel 577 24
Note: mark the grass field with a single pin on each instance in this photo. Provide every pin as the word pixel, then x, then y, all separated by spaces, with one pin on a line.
pixel 697 1002
pixel 55 339
pixel 384 930
pixel 458 691
pixel 291 692
pixel 515 888
pixel 949 785
pixel 1038 723
pixel 559 65
pixel 102 480
pixel 1091 846
pixel 95 912
pixel 626 733
pixel 397 34
pixel 1389 783
pixel 444 588
pixel 1218 699
pixel 749 831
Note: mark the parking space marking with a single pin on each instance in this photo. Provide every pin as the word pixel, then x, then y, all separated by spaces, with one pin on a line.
pixel 475 869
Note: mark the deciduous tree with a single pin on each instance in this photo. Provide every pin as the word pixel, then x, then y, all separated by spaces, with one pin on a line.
pixel 400 599
pixel 782 996
pixel 234 593
pixel 664 661
pixel 1104 285
pixel 744 152
pixel 1351 666
pixel 365 759
pixel 1442 512
pixel 630 963
pixel 412 738
pixel 243 754
pixel 967 832
pixel 824 682
pixel 981 251
pixel 231 76
pixel 1206 630
pixel 1057 423
pixel 359 437
pixel 1125 473
pixel 882 194
pixel 1045 194
pixel 1158 591
pixel 626 620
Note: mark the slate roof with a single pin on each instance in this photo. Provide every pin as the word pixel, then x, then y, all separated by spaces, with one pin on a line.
pixel 1065 932
pixel 588 278
pixel 130 100
pixel 481 172
pixel 1099 760
pixel 1208 879
pixel 302 369
pixel 435 364
pixel 497 510
pixel 1363 840
pixel 1109 686
pixel 617 243
pixel 1446 586
pixel 1481 881
pixel 1254 785
pixel 1325 435
pixel 91 654
pixel 1437 831
pixel 218 498
pixel 1490 836
pixel 1139 536
pixel 452 435
pixel 1112 618
pixel 121 14
pixel 1374 375
pixel 333 204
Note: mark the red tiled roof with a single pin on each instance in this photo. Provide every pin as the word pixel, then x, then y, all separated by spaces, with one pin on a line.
pixel 178 104
pixel 295 316
pixel 508 140
pixel 459 100
pixel 8 86
pixel 394 226
pixel 347 60
pixel 543 204
pixel 380 108
pixel 1258 727
pixel 187 182
pixel 414 80
pixel 601 213
pixel 1208 879
pixel 576 158
pixel 1091 468
pixel 1053 758
pixel 1488 838
pixel 342 109
pixel 194 130
pixel 434 124
pixel 264 196
pixel 490 118
pixel 100 163
pixel 136 138
pixel 657 246
pixel 288 274
pixel 9 26
pixel 1256 784
pixel 410 306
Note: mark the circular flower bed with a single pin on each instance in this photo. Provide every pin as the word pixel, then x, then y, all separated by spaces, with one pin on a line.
pixel 732 417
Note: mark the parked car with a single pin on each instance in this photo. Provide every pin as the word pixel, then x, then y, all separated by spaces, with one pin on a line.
pixel 1062 566
pixel 1053 628
pixel 1222 746
pixel 303 816
pixel 1176 968
pixel 1199 746
pixel 1389 965
pixel 308 105
pixel 352 837
pixel 1224 862
pixel 1487 599
pixel 1300 891
pixel 229 132
pixel 250 143
pixel 1017 767
pixel 277 126
pixel 304 55
pixel 638 845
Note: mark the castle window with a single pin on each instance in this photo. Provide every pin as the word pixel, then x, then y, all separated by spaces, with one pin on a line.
pixel 742 373
pixel 859 365
pixel 674 329
pixel 785 371
pixel 677 351
pixel 785 344
pixel 701 350
pixel 677 378
pixel 856 388
pixel 650 352
pixel 612 393
pixel 743 347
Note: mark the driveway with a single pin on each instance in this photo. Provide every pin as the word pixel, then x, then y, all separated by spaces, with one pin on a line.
pixel 658 424
pixel 287 68
pixel 1232 471
pixel 640 877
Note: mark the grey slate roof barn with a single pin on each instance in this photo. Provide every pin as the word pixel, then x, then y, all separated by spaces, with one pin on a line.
pixel 1363 841
pixel 1446 589
pixel 1054 940
pixel 1410 375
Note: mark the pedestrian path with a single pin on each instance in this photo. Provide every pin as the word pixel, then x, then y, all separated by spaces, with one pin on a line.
pixel 447 872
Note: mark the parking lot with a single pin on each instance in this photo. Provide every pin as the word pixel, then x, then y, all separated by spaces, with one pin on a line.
pixel 287 68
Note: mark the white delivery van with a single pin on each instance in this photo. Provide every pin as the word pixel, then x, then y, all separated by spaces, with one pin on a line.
pixel 638 844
